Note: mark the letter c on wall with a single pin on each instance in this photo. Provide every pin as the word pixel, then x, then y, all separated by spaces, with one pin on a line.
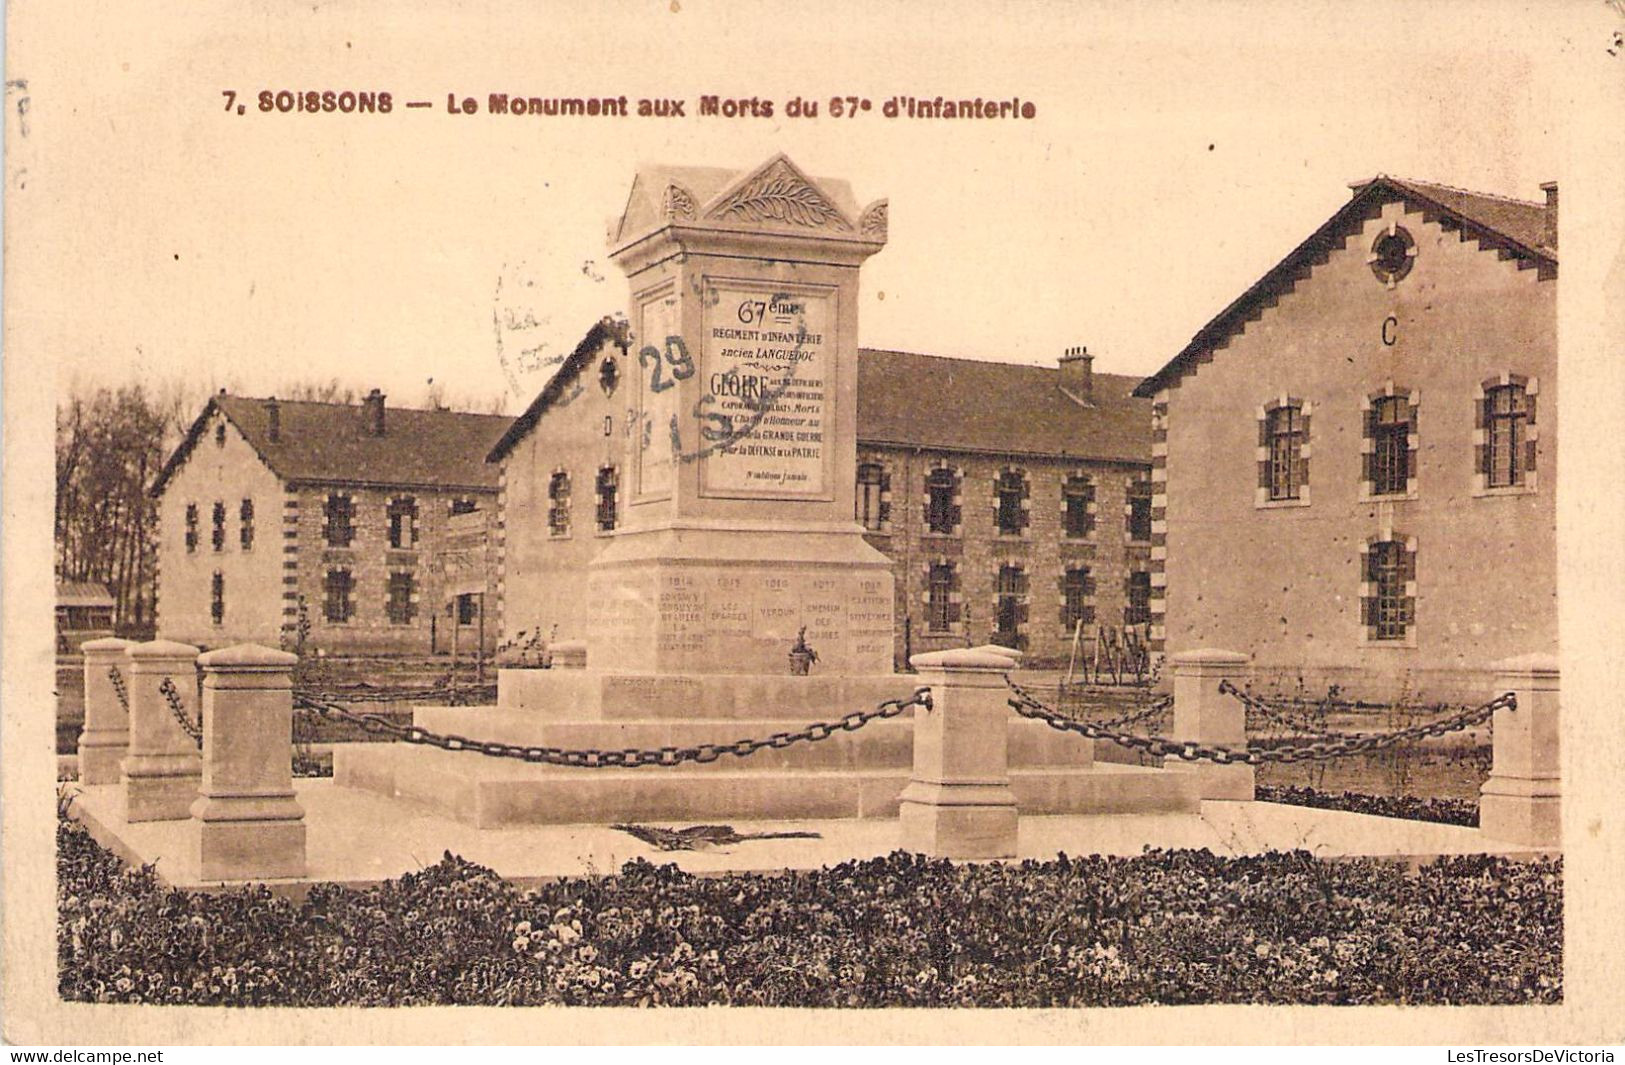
pixel 1390 331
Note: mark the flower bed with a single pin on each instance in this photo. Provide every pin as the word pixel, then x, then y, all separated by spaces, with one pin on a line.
pixel 1165 927
pixel 1409 807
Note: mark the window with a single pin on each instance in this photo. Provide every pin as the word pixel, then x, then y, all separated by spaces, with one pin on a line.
pixel 872 509
pixel 1390 464
pixel 558 504
pixel 1139 510
pixel 608 485
pixel 402 593
pixel 1507 416
pixel 245 524
pixel 191 527
pixel 1077 508
pixel 467 609
pixel 217 598
pixel 1392 254
pixel 1284 468
pixel 219 536
pixel 1077 598
pixel 220 434
pixel 403 522
pixel 463 506
pixel 941 506
pixel 1011 606
pixel 1010 492
pixel 1386 603
pixel 1137 598
pixel 339 514
pixel 338 588
pixel 940 609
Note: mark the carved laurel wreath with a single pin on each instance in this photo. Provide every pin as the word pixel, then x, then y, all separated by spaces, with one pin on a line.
pixel 781 199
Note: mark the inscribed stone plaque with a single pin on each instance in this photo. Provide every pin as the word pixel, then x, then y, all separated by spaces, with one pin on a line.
pixel 767 391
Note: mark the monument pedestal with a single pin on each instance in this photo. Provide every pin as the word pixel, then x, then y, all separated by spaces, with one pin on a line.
pixel 732 599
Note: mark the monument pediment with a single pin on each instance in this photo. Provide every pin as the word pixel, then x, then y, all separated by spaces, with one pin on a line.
pixel 777 195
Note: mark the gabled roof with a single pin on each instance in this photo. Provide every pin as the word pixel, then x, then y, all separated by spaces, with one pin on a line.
pixel 329 443
pixel 604 331
pixel 1515 229
pixel 82 593
pixel 930 401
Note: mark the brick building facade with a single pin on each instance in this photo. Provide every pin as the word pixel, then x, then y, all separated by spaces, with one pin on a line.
pixel 1013 501
pixel 1354 460
pixel 277 516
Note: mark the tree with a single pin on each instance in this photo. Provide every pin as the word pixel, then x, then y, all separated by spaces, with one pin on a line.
pixel 110 445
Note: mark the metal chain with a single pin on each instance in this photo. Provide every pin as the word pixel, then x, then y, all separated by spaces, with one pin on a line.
pixel 1281 716
pixel 1133 717
pixel 172 696
pixel 400 695
pixel 1322 750
pixel 592 758
pixel 119 689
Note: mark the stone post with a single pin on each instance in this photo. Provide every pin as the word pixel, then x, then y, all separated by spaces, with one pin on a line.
pixel 1521 802
pixel 253 827
pixel 958 803
pixel 162 768
pixel 105 737
pixel 1204 715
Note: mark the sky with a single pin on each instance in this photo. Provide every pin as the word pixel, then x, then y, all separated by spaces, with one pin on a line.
pixel 1176 154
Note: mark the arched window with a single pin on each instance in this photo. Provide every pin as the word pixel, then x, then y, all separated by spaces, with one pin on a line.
pixel 608 503
pixel 403 522
pixel 1388 600
pixel 1010 493
pixel 1077 507
pixel 941 501
pixel 870 507
pixel 1506 417
pixel 1284 470
pixel 558 504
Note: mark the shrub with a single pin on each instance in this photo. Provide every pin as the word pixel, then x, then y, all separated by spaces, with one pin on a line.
pixel 1164 927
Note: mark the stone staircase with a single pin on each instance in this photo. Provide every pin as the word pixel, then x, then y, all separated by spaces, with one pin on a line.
pixel 849 775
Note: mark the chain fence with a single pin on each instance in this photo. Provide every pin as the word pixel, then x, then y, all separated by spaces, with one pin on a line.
pixel 172 696
pixel 593 758
pixel 459 695
pixel 1290 715
pixel 1340 745
pixel 117 680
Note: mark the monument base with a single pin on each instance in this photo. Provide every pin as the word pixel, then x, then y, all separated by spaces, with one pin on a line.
pixel 964 821
pixel 713 598
pixel 1519 810
pixel 859 774
pixel 1226 783
pixel 257 850
pixel 162 787
pixel 101 756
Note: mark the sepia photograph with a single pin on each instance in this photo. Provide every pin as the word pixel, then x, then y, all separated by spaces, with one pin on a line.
pixel 652 524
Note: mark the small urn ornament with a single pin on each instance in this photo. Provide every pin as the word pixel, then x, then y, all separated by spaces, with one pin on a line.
pixel 802 656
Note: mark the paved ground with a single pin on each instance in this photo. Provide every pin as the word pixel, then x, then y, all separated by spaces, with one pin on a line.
pixel 360 838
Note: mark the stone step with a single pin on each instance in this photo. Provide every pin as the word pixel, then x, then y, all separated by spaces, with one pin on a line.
pixel 881 743
pixel 490 793
pixel 584 694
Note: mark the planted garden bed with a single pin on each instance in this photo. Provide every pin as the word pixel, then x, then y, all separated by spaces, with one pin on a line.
pixel 1164 927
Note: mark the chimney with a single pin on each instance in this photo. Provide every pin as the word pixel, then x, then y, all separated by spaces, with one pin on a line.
pixel 1077 374
pixel 1550 189
pixel 273 420
pixel 373 405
